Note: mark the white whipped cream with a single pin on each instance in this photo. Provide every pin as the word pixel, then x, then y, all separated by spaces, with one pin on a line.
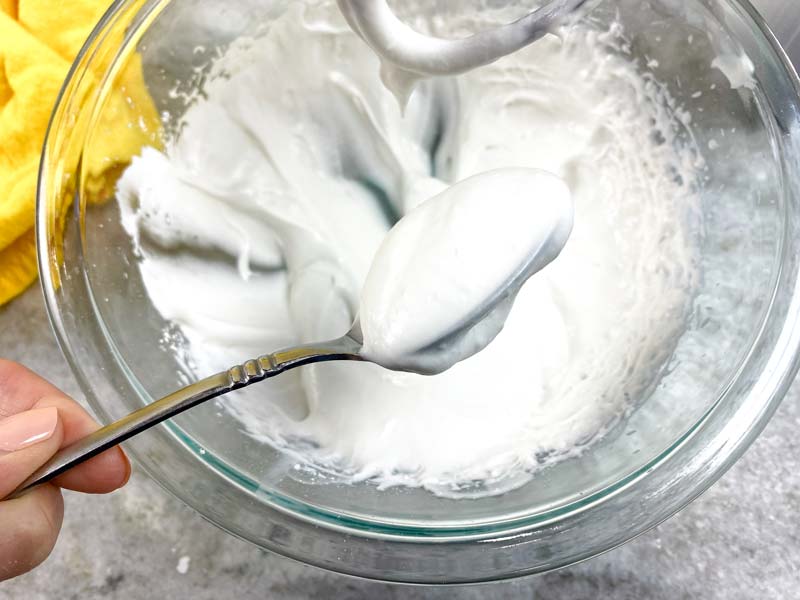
pixel 258 225
pixel 444 279
pixel 737 68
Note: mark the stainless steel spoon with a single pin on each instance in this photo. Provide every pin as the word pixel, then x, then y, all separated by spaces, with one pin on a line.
pixel 484 318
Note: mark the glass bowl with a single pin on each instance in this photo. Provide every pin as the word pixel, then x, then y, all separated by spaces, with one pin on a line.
pixel 729 370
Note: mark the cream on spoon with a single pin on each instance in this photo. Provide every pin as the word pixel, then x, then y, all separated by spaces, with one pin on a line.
pixel 443 281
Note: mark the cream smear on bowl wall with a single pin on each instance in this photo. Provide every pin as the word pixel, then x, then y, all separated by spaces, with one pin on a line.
pixel 297 161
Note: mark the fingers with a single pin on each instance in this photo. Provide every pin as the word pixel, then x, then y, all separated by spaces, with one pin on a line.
pixel 30 529
pixel 27 440
pixel 36 419
pixel 99 475
pixel 21 390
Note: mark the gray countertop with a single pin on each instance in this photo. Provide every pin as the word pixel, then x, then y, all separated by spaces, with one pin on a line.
pixel 741 540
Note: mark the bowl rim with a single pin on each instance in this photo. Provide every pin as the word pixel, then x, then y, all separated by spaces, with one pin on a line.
pixel 731 441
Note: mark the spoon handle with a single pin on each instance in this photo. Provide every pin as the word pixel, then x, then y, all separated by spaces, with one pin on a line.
pixel 185 398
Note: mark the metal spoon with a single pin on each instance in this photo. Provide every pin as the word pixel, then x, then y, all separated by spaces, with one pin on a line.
pixel 347 347
pixel 484 319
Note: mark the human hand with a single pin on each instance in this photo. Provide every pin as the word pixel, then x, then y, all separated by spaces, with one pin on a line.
pixel 36 420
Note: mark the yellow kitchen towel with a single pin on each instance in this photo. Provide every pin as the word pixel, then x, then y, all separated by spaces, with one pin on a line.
pixel 38 41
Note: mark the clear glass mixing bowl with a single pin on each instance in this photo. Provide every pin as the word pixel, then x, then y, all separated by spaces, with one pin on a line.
pixel 730 368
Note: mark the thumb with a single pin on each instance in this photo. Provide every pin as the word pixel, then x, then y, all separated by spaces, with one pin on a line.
pixel 27 440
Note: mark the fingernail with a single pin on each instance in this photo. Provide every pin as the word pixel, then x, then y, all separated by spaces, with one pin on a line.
pixel 27 428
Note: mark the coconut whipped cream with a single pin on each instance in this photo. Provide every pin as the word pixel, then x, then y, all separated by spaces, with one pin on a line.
pixel 444 279
pixel 258 224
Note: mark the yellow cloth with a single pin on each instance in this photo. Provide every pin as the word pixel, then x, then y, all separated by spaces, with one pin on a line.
pixel 38 41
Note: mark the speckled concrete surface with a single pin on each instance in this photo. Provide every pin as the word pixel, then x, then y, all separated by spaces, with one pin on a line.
pixel 739 541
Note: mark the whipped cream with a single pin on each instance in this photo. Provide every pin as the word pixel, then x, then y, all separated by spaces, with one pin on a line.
pixel 444 279
pixel 258 225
